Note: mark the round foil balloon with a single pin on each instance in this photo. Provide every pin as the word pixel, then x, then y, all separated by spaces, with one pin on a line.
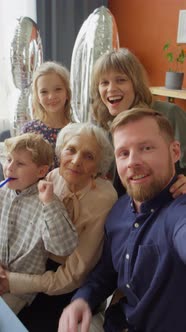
pixel 26 55
pixel 97 35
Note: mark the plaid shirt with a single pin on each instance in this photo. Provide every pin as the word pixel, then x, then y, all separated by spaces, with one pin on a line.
pixel 28 229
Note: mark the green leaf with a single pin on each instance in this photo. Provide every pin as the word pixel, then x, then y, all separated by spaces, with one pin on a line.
pixel 181 57
pixel 176 56
pixel 166 46
pixel 170 57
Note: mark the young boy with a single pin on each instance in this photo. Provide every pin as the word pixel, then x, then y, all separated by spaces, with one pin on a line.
pixel 31 224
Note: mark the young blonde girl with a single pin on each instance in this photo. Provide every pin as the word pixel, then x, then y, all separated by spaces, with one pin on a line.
pixel 51 102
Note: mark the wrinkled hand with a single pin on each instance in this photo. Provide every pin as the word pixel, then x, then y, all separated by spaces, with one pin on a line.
pixel 77 311
pixel 4 282
pixel 46 192
pixel 179 187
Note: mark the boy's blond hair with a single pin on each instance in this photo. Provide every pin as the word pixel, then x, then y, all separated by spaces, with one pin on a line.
pixel 41 150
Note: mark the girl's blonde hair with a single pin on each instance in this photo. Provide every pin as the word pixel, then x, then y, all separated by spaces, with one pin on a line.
pixel 122 61
pixel 44 69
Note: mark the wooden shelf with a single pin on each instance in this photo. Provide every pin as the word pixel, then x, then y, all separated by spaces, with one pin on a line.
pixel 170 93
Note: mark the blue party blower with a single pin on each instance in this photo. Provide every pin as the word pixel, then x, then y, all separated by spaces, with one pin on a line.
pixel 5 181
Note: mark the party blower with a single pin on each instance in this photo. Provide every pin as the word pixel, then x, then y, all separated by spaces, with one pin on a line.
pixel 5 181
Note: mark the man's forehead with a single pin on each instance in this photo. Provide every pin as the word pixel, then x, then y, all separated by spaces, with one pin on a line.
pixel 146 126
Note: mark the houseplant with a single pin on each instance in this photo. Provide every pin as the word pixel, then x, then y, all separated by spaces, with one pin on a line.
pixel 176 56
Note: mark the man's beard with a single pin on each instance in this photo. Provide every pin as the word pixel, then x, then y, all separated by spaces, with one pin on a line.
pixel 145 192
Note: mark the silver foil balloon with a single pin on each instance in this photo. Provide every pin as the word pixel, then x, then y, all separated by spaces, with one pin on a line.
pixel 26 55
pixel 98 34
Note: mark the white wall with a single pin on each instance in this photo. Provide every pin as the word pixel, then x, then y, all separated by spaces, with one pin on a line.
pixel 10 11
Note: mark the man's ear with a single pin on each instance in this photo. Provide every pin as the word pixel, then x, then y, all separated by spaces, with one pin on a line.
pixel 175 151
pixel 43 170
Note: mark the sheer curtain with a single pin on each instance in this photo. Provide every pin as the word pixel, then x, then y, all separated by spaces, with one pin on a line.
pixel 59 22
pixel 10 11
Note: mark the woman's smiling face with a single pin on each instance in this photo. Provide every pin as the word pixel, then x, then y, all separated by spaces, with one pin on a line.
pixel 116 91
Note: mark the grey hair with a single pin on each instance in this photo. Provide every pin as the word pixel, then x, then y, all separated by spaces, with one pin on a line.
pixel 101 136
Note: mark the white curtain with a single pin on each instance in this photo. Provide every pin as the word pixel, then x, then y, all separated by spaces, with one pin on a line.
pixel 10 11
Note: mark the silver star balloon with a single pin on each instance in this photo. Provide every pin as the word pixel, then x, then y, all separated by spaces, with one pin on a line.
pixel 26 54
pixel 97 35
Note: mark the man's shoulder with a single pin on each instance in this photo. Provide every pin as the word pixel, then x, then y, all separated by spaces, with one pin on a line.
pixel 175 210
pixel 174 215
pixel 178 203
pixel 121 206
pixel 124 199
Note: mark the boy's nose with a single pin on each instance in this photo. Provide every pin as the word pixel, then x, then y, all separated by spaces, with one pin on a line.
pixel 10 167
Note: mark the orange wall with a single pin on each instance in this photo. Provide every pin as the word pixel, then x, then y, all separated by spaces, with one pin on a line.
pixel 144 26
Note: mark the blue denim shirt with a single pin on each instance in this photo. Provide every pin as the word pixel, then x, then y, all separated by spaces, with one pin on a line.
pixel 144 255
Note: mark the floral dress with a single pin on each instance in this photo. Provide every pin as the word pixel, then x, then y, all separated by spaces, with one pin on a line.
pixel 50 134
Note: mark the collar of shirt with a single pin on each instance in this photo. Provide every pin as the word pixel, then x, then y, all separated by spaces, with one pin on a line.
pixel 71 200
pixel 28 191
pixel 79 194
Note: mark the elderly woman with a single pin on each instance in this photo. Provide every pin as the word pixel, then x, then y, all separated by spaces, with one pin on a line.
pixel 85 154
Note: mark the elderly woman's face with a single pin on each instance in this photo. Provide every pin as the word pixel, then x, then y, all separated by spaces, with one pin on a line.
pixel 79 161
pixel 116 91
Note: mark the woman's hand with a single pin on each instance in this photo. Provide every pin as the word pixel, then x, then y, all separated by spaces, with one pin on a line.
pixel 179 187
